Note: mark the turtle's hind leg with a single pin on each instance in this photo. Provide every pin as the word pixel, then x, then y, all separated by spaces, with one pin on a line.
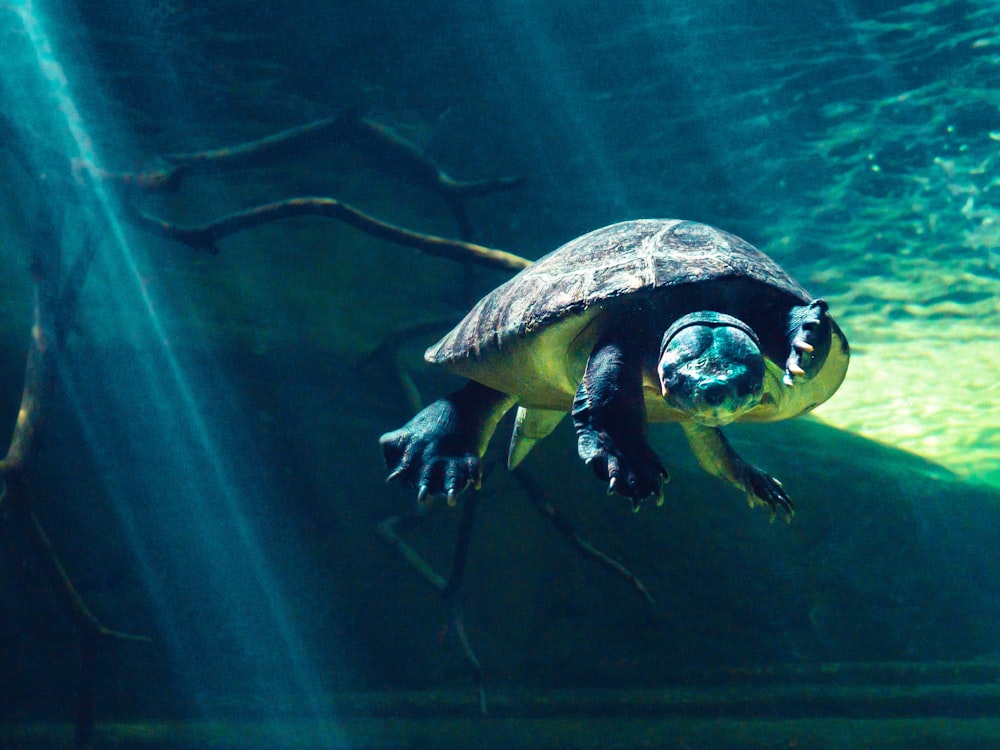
pixel 438 452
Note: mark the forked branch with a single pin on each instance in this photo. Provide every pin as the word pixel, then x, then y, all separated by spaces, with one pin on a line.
pixel 205 236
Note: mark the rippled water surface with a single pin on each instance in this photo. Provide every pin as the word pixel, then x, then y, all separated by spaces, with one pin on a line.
pixel 858 144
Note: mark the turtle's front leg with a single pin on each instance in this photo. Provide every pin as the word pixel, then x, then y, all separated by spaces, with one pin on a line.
pixel 718 458
pixel 609 412
pixel 438 452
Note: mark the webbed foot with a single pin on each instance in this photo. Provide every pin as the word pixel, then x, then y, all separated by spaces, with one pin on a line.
pixel 718 458
pixel 438 451
pixel 631 468
pixel 763 489
pixel 810 340
pixel 430 455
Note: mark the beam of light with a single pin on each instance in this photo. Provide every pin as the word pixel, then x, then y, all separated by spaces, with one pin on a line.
pixel 215 491
pixel 559 86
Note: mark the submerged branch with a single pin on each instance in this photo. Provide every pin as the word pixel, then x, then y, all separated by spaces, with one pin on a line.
pixel 450 589
pixel 386 356
pixel 53 313
pixel 541 502
pixel 37 377
pixel 205 236
pixel 46 256
pixel 384 149
pixel 394 155
pixel 258 152
pixel 86 622
pixel 53 308
pixel 388 530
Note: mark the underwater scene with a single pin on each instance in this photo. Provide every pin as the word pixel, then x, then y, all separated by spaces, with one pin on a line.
pixel 673 326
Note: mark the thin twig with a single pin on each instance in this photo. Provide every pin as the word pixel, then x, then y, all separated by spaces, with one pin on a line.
pixel 86 622
pixel 393 154
pixel 460 557
pixel 69 297
pixel 541 502
pixel 458 621
pixel 388 530
pixel 260 151
pixel 451 588
pixel 386 355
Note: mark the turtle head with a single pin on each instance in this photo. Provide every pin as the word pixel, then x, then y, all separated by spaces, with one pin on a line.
pixel 711 367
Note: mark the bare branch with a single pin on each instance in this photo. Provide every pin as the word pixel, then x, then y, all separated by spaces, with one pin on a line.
pixel 46 256
pixel 36 379
pixel 53 313
pixel 205 236
pixel 384 150
pixel 450 589
pixel 388 530
pixel 541 502
pixel 386 355
pixel 261 151
pixel 85 620
pixel 394 155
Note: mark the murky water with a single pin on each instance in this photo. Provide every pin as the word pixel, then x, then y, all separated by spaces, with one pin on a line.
pixel 207 464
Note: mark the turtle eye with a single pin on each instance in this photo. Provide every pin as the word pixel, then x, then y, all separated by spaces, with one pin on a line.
pixel 669 377
pixel 669 380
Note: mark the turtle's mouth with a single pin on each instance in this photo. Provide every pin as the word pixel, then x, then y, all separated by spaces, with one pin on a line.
pixel 717 418
pixel 715 402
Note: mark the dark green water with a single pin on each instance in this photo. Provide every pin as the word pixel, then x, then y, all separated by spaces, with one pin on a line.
pixel 208 468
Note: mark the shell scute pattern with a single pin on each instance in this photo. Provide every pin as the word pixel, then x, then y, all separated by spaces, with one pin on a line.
pixel 614 261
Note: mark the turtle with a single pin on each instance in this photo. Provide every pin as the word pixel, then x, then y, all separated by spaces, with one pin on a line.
pixel 651 320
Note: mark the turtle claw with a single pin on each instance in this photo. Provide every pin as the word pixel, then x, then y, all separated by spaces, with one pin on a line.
pixel 631 469
pixel 793 366
pixel 658 495
pixel 763 489
pixel 431 455
pixel 811 328
pixel 792 370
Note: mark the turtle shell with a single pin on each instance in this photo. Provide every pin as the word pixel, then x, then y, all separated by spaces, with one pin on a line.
pixel 526 337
